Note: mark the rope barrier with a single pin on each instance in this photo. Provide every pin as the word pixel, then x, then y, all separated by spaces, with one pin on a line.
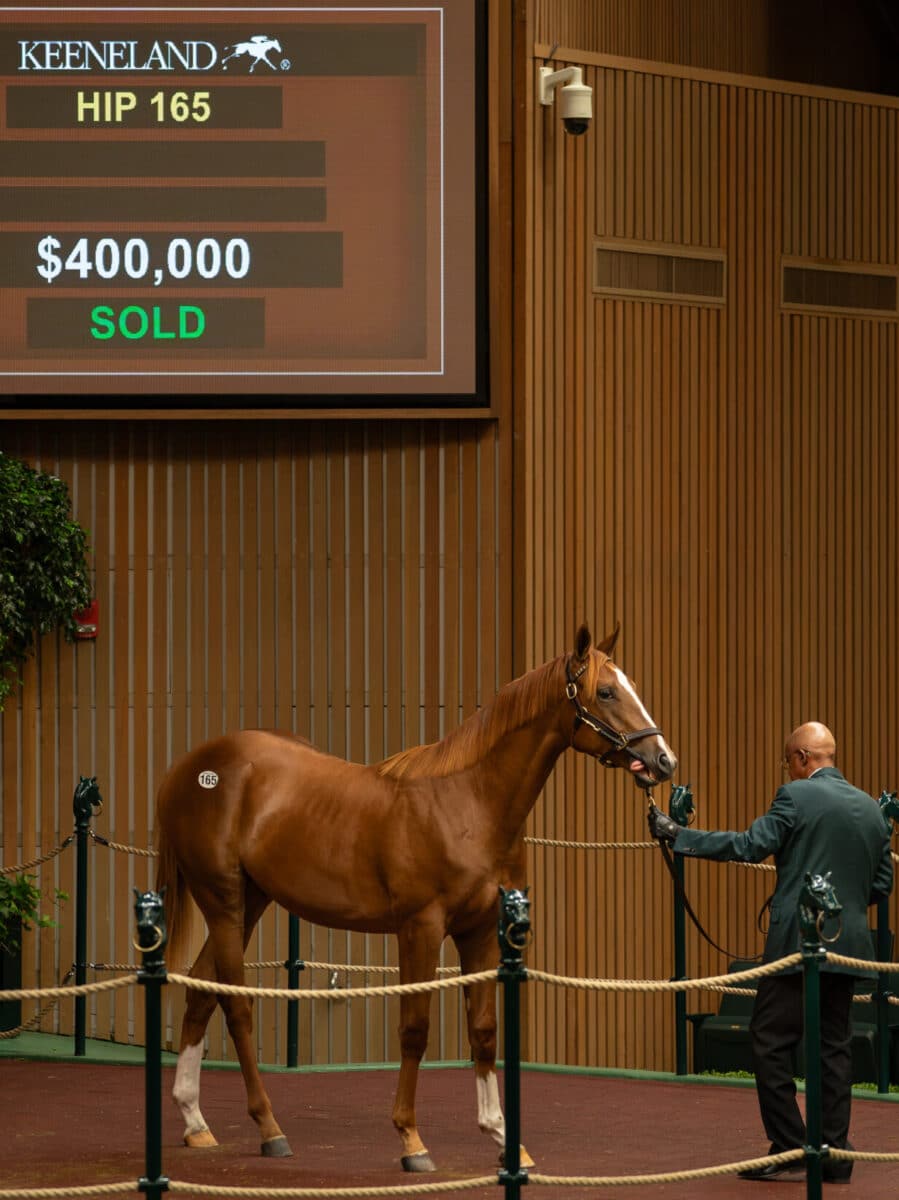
pixel 18 868
pixel 861 998
pixel 592 845
pixel 711 983
pixel 396 989
pixel 102 841
pixel 862 1155
pixel 278 963
pixel 769 1160
pixel 670 985
pixel 264 1193
pixel 535 841
pixel 96 1189
pixel 81 989
pixel 861 963
pixel 39 1015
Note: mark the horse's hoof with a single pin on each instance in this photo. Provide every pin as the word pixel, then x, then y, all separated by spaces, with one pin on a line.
pixel 421 1161
pixel 200 1140
pixel 524 1159
pixel 277 1147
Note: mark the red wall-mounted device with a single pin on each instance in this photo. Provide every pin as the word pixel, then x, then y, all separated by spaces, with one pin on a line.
pixel 87 621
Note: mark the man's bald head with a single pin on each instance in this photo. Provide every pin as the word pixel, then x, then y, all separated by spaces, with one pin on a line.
pixel 809 747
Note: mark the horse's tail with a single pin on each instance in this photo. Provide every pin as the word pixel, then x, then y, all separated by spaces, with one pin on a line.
pixel 178 908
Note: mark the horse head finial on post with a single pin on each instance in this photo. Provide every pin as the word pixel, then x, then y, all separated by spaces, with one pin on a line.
pixel 680 804
pixel 87 799
pixel 514 924
pixel 151 937
pixel 889 807
pixel 817 903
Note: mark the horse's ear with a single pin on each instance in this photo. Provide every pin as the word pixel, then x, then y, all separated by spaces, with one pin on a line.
pixel 607 645
pixel 583 641
pixel 137 893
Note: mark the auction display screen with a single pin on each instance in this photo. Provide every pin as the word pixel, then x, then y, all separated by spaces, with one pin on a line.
pixel 220 203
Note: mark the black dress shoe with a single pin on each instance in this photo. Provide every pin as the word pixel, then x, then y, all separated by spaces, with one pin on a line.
pixel 836 1170
pixel 836 1175
pixel 774 1170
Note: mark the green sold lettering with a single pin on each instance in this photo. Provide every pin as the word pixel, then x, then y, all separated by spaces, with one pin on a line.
pixel 134 323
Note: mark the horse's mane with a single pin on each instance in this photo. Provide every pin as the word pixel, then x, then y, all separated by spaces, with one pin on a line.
pixel 513 706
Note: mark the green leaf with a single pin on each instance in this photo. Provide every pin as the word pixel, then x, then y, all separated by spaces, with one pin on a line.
pixel 44 577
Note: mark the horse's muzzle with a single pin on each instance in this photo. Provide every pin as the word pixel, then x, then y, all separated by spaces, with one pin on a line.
pixel 650 768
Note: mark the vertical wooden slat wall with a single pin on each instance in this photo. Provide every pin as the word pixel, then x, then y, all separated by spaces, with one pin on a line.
pixel 335 579
pixel 727 36
pixel 717 476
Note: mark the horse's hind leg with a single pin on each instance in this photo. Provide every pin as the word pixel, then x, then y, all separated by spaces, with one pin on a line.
pixel 224 948
pixel 478 952
pixel 238 1012
pixel 186 1091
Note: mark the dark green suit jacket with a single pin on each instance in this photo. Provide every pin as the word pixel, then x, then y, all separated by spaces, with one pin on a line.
pixel 820 824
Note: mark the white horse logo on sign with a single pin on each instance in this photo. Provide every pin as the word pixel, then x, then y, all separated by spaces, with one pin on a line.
pixel 257 48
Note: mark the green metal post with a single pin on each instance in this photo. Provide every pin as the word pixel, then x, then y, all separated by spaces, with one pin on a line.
pixel 817 901
pixel 889 807
pixel 680 807
pixel 514 935
pixel 151 940
pixel 811 961
pixel 294 965
pixel 884 953
pixel 84 801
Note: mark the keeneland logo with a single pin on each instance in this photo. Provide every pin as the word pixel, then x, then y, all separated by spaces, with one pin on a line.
pixel 257 49
pixel 188 55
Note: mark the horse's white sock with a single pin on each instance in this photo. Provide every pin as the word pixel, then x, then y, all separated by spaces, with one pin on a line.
pixel 490 1113
pixel 186 1091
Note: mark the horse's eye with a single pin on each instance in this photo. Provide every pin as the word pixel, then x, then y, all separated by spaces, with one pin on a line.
pixel 606 693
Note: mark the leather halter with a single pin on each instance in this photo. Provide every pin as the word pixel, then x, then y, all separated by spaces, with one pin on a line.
pixel 618 738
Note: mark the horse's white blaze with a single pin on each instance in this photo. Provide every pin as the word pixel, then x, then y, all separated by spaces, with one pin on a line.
pixel 186 1091
pixel 625 684
pixel 490 1113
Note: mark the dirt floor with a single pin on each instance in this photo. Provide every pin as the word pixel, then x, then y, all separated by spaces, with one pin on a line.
pixel 68 1124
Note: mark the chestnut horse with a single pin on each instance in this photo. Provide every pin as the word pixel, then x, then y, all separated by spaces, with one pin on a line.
pixel 417 845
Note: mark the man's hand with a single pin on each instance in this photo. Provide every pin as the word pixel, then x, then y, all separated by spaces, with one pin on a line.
pixel 662 826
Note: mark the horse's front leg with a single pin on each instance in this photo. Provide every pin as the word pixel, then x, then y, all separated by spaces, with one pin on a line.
pixel 419 947
pixel 479 952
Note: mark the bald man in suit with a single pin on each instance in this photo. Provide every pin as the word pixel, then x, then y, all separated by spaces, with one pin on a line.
pixel 817 822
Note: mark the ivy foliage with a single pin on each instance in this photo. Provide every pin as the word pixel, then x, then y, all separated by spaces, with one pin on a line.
pixel 43 567
pixel 20 899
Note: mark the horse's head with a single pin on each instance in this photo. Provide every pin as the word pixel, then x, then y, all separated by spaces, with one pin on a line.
pixel 610 721
pixel 817 903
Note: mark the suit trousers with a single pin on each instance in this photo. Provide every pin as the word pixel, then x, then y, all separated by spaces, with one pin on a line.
pixel 776 1029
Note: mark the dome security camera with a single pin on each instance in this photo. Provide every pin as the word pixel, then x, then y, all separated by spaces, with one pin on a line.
pixel 576 104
